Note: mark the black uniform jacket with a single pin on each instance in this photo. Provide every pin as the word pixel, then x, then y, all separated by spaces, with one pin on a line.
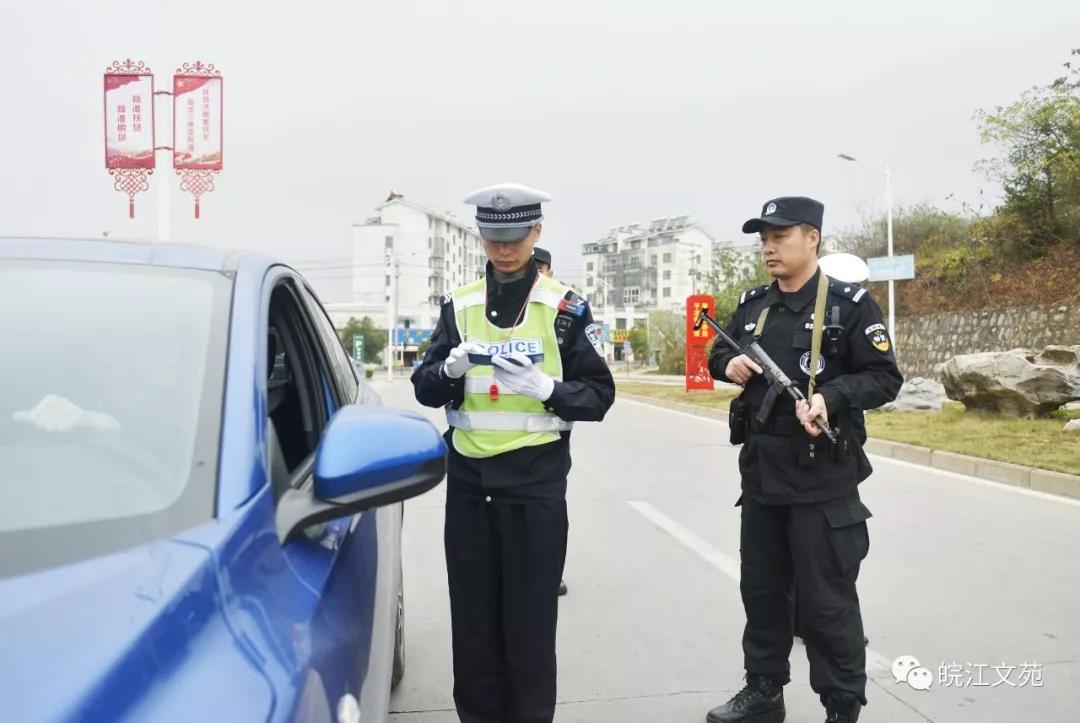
pixel 585 394
pixel 857 371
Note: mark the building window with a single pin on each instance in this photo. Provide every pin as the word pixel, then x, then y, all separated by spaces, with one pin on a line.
pixel 588 266
pixel 390 243
pixel 588 281
pixel 667 258
pixel 652 261
pixel 387 281
pixel 631 295
pixel 667 293
pixel 620 323
pixel 667 276
pixel 429 242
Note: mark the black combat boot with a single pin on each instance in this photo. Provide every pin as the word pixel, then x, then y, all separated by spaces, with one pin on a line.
pixel 842 707
pixel 760 701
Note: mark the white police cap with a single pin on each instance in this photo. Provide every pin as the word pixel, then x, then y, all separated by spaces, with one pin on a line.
pixel 506 212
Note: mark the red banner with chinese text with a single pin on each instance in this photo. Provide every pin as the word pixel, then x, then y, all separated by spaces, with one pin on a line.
pixel 697 343
pixel 129 120
pixel 197 122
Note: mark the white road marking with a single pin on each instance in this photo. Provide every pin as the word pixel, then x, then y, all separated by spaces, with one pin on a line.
pixel 688 539
pixel 1004 487
pixel 722 562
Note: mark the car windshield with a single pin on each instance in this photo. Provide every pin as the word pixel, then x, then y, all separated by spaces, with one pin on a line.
pixel 110 415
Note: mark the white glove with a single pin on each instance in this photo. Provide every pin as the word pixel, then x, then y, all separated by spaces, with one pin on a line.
pixel 59 414
pixel 457 362
pixel 525 379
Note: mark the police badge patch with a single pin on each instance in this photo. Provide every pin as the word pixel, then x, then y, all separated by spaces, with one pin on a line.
pixel 595 335
pixel 878 337
pixel 804 364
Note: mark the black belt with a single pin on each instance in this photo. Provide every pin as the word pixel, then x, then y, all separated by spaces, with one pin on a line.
pixel 776 425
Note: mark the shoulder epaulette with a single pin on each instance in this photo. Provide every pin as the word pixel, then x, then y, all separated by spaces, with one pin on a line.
pixel 851 292
pixel 751 294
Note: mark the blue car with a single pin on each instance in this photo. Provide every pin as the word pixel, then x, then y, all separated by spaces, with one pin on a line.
pixel 200 504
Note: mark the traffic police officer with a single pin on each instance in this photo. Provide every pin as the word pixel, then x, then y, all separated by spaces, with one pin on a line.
pixel 515 360
pixel 803 524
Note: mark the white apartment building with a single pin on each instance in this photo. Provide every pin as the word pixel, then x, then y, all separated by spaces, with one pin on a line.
pixel 404 260
pixel 638 268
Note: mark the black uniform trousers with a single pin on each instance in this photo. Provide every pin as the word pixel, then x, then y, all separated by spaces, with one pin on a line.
pixel 504 560
pixel 817 549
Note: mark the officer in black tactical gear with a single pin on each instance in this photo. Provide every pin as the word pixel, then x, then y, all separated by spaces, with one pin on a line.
pixel 803 524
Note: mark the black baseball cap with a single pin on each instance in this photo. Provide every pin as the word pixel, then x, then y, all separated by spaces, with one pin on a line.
pixel 541 256
pixel 787 211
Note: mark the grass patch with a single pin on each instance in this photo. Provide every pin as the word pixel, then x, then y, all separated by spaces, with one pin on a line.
pixel 1031 442
pixel 676 393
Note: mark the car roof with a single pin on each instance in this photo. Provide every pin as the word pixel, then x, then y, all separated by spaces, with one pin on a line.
pixel 174 255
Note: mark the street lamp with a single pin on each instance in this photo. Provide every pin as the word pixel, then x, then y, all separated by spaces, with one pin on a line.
pixel 888 226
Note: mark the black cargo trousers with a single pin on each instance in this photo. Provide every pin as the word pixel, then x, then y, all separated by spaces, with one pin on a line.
pixel 817 549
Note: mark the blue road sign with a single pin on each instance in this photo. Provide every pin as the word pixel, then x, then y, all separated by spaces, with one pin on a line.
pixel 892 268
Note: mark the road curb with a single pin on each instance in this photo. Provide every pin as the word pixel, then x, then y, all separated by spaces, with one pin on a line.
pixel 1056 483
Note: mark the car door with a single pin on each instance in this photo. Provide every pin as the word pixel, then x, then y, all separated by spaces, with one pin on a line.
pixel 385 662
pixel 305 606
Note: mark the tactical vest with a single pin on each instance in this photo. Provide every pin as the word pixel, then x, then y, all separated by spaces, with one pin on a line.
pixel 485 426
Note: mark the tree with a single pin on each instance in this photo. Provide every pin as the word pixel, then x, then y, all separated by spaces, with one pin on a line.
pixel 667 332
pixel 1039 168
pixel 913 228
pixel 639 342
pixel 733 272
pixel 374 339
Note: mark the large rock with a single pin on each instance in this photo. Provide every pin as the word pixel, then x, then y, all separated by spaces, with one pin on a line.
pixel 918 394
pixel 1020 383
pixel 1073 425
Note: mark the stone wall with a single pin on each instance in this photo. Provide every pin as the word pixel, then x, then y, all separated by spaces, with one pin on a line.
pixel 926 341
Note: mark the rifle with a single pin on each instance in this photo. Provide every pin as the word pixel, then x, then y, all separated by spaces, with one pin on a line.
pixel 778 380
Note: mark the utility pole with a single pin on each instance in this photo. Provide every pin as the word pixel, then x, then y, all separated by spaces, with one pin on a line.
pixel 391 314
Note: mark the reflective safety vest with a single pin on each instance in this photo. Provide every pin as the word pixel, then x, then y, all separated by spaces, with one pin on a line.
pixel 483 426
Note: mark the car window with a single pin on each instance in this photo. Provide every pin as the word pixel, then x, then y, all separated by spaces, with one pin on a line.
pixel 110 414
pixel 339 359
pixel 299 393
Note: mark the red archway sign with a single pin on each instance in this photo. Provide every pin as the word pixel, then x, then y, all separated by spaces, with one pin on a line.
pixel 129 127
pixel 197 127
pixel 697 343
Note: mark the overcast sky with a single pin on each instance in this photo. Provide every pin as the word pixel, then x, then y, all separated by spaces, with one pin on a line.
pixel 622 110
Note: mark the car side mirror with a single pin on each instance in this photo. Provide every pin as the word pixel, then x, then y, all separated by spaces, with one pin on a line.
pixel 368 457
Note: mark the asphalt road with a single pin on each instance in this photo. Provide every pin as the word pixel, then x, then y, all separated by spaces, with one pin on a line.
pixel 979 577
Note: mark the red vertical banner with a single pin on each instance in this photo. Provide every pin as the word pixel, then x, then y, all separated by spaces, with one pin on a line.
pixel 697 343
pixel 198 137
pixel 129 127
